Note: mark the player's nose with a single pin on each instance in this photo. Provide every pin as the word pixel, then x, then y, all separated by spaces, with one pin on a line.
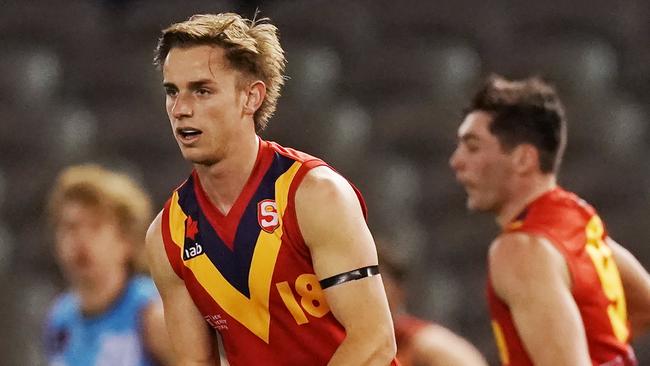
pixel 455 161
pixel 182 107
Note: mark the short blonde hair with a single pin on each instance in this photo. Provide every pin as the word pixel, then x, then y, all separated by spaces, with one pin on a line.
pixel 252 47
pixel 110 193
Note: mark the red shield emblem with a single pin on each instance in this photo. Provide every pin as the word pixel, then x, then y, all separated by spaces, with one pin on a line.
pixel 267 215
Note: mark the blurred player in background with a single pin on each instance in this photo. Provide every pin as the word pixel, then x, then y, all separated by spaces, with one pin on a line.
pixel 110 315
pixel 264 244
pixel 560 290
pixel 419 342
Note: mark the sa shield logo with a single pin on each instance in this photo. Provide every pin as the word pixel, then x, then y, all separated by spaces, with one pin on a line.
pixel 267 215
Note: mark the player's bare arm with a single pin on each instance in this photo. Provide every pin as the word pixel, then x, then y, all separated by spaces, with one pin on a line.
pixel 331 222
pixel 636 284
pixel 154 332
pixel 193 342
pixel 438 346
pixel 532 278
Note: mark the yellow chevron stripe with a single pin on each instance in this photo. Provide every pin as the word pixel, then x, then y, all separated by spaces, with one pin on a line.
pixel 253 313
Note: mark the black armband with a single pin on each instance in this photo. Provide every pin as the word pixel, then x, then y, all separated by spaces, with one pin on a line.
pixel 353 275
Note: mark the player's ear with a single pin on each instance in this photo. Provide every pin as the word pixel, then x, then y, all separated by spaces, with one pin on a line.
pixel 526 158
pixel 256 93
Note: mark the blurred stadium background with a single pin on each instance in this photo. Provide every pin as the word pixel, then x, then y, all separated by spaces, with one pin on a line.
pixel 376 88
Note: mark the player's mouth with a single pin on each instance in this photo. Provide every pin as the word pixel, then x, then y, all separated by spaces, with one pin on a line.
pixel 188 134
pixel 461 180
pixel 467 185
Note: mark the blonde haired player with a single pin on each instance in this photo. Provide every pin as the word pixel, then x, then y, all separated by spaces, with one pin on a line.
pixel 110 314
pixel 264 244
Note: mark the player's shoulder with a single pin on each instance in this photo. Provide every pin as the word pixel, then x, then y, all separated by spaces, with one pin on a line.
pixel 517 252
pixel 512 242
pixel 318 177
pixel 325 183
pixel 518 262
pixel 154 235
pixel 290 152
pixel 156 224
pixel 558 205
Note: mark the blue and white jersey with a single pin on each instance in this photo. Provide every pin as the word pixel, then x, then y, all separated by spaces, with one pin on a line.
pixel 112 338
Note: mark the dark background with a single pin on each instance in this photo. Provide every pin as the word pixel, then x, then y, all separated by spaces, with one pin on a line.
pixel 376 88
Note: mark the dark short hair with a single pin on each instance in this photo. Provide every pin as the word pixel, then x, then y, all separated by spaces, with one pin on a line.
pixel 526 111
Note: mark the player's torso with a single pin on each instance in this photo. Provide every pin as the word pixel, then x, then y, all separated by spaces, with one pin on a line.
pixel 576 231
pixel 249 272
pixel 112 338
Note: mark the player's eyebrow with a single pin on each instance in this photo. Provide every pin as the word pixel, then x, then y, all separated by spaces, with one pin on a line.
pixel 196 84
pixel 468 137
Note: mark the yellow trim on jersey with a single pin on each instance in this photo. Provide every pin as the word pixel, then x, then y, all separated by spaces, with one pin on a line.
pixel 504 356
pixel 177 222
pixel 610 278
pixel 515 225
pixel 282 185
pixel 253 313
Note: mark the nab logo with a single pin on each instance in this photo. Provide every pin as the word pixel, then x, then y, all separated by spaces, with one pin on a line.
pixel 192 251
pixel 267 215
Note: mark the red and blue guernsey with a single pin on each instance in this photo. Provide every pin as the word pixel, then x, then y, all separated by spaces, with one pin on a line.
pixel 249 272
pixel 576 231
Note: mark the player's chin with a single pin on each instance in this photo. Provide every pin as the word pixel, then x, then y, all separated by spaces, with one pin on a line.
pixel 198 158
pixel 471 205
pixel 190 153
pixel 476 205
pixel 470 201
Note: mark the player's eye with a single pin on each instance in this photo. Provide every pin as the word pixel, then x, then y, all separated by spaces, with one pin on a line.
pixel 472 147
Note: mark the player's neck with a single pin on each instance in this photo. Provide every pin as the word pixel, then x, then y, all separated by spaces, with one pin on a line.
pixel 225 180
pixel 522 195
pixel 97 297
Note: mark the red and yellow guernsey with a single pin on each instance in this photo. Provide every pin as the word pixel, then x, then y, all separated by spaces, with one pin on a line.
pixel 574 228
pixel 249 272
